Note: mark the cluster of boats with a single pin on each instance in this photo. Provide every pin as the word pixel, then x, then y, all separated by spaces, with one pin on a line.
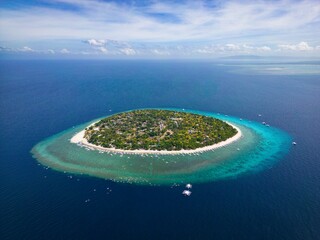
pixel 264 123
pixel 187 191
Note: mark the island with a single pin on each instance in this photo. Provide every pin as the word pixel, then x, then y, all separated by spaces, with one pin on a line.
pixel 164 147
pixel 157 131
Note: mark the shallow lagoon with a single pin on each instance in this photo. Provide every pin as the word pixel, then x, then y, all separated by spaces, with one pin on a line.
pixel 259 148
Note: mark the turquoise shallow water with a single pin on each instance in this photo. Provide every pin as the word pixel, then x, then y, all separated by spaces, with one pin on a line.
pixel 259 148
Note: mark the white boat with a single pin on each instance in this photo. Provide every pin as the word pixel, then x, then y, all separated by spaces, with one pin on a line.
pixel 294 143
pixel 189 186
pixel 186 192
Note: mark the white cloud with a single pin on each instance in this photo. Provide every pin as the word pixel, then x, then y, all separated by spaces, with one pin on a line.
pixel 94 42
pixel 87 53
pixel 203 50
pixel 256 49
pixel 103 49
pixel 231 47
pixel 160 52
pixel 264 49
pixel 191 20
pixel 247 47
pixel 302 46
pixel 118 48
pixel 64 51
pixel 128 51
pixel 25 49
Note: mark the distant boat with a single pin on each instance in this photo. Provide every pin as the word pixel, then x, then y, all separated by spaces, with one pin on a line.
pixel 186 192
pixel 294 143
pixel 189 186
pixel 259 115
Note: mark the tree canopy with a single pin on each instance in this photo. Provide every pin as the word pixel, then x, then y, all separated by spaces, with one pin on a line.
pixel 158 130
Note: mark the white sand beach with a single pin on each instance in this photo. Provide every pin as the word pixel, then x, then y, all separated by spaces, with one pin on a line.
pixel 79 139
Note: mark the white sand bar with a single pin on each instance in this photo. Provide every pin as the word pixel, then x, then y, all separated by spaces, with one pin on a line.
pixel 79 139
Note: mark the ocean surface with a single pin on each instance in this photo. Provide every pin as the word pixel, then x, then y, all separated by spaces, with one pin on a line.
pixel 41 98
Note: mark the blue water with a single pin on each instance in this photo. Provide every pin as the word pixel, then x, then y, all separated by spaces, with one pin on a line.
pixel 41 98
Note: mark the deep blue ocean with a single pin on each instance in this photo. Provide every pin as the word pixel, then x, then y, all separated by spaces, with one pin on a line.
pixel 41 98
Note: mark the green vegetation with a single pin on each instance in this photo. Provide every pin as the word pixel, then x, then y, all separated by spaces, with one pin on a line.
pixel 158 130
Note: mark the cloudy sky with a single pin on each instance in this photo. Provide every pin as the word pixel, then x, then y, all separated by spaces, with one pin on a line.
pixel 155 28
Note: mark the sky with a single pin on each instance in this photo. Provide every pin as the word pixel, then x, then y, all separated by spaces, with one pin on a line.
pixel 159 29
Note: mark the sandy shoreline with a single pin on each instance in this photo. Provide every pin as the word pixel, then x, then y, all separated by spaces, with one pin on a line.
pixel 79 139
